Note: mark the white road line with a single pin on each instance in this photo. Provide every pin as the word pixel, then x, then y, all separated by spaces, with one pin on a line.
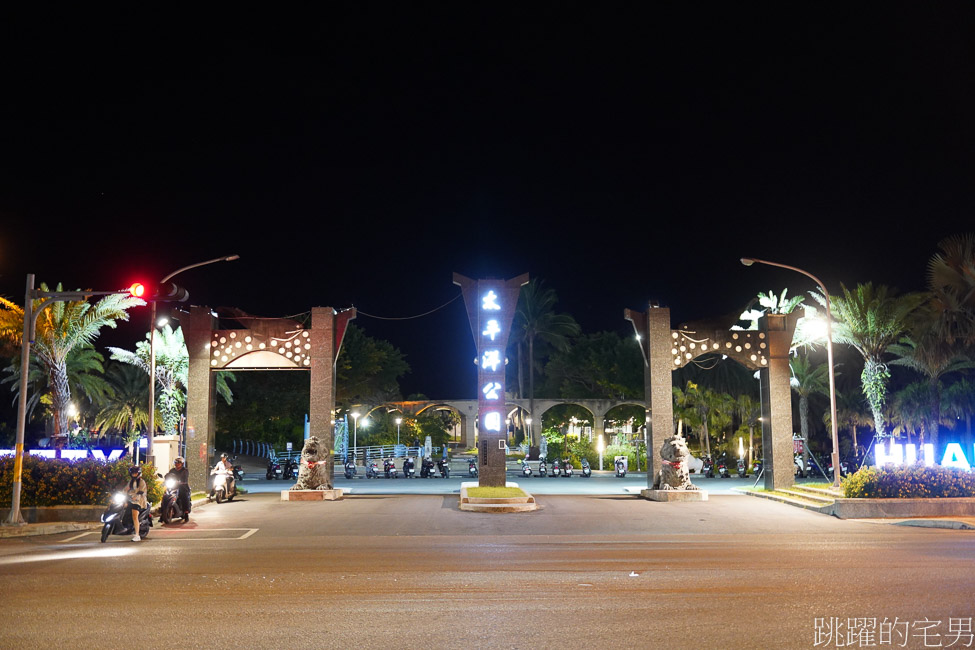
pixel 156 532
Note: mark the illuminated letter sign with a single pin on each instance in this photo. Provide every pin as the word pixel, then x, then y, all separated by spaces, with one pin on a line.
pixel 897 454
pixel 490 308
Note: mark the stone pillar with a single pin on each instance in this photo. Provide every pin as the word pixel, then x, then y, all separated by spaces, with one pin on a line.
pixel 779 464
pixel 468 426
pixel 660 387
pixel 200 391
pixel 322 392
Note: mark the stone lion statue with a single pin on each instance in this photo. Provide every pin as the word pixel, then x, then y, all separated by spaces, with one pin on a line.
pixel 313 468
pixel 674 474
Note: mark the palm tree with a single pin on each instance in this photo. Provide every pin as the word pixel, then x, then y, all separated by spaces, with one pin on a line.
pixel 871 319
pixel 807 380
pixel 960 402
pixel 851 412
pixel 127 406
pixel 749 411
pixel 932 357
pixel 951 280
pixel 61 327
pixel 685 409
pixel 535 319
pixel 172 367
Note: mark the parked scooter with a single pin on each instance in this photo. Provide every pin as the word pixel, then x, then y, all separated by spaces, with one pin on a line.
pixel 444 466
pixel 723 467
pixel 542 468
pixel 742 470
pixel 567 468
pixel 708 468
pixel 118 521
pixel 389 468
pixel 526 469
pixel 556 468
pixel 170 509
pixel 372 469
pixel 238 470
pixel 586 470
pixel 274 469
pixel 620 468
pixel 224 486
pixel 290 469
pixel 472 468
pixel 409 471
pixel 800 470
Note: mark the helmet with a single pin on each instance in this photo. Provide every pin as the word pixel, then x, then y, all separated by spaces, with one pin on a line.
pixel 178 459
pixel 135 470
pixel 223 455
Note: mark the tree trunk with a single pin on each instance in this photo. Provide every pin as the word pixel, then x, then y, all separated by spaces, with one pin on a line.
pixel 804 431
pixel 934 407
pixel 531 386
pixel 875 374
pixel 706 436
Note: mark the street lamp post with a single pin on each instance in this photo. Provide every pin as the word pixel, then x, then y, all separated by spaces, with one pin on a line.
pixel 152 347
pixel 748 261
pixel 399 421
pixel 355 434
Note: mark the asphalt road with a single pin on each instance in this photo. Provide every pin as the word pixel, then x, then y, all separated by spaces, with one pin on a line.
pixel 414 570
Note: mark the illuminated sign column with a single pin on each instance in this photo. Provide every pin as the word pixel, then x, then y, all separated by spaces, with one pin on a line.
pixel 491 308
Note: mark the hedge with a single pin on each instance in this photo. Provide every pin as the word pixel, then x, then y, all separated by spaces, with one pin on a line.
pixel 909 482
pixel 55 482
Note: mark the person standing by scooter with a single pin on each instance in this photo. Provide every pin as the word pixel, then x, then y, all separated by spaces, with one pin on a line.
pixel 136 490
pixel 182 476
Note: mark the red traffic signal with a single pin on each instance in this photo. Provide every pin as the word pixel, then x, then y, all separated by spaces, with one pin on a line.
pixel 137 290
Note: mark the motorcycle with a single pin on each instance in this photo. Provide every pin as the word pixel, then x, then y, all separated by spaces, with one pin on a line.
pixel 723 468
pixel 526 469
pixel 224 486
pixel 290 469
pixel 273 469
pixel 741 468
pixel 372 469
pixel 567 468
pixel 542 468
pixel 389 468
pixel 118 521
pixel 708 468
pixel 556 469
pixel 426 468
pixel 408 469
pixel 238 470
pixel 170 509
pixel 620 468
pixel 586 470
pixel 349 469
pixel 757 467
pixel 472 468
pixel 444 468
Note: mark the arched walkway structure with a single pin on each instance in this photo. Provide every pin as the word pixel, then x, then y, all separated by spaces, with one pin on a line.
pixel 766 350
pixel 265 344
pixel 467 410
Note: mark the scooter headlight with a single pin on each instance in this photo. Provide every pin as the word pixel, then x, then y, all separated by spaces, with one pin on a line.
pixel 119 498
pixel 171 484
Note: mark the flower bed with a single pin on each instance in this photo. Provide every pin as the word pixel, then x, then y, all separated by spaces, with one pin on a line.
pixel 56 482
pixel 909 482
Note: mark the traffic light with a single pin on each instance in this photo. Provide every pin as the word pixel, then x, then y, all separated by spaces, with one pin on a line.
pixel 137 290
pixel 171 292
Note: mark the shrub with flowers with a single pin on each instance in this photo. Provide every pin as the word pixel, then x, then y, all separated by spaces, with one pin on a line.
pixel 55 482
pixel 909 482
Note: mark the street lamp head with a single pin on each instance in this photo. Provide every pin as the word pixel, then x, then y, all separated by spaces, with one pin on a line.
pixel 399 421
pixel 355 415
pixel 747 261
pixel 231 258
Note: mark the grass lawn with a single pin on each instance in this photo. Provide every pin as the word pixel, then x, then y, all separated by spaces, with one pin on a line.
pixel 495 492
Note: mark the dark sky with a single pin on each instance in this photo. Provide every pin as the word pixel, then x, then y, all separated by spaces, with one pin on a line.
pixel 361 155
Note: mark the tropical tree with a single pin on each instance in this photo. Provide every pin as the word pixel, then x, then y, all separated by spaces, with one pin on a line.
pixel 749 412
pixel 959 401
pixel 807 380
pixel 871 319
pixel 851 412
pixel 172 368
pixel 126 408
pixel 930 355
pixel 597 366
pixel 61 327
pixel 951 280
pixel 536 321
pixel 685 409
pixel 367 369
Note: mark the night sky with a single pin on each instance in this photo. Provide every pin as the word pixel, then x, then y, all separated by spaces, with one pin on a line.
pixel 361 155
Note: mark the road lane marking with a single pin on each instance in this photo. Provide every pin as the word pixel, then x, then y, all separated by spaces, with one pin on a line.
pixel 164 531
